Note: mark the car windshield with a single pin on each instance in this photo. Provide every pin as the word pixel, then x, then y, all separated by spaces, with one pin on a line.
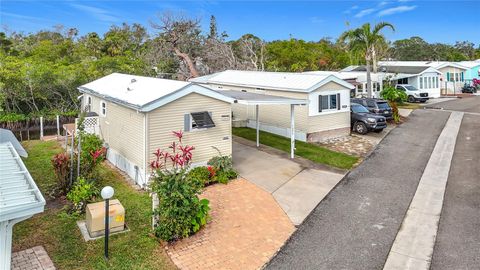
pixel 410 88
pixel 357 108
pixel 383 105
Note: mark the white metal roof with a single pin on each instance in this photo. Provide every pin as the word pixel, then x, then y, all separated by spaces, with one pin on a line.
pixel 284 81
pixel 19 195
pixel 143 93
pixel 259 99
pixel 433 64
pixel 7 136
pixel 470 64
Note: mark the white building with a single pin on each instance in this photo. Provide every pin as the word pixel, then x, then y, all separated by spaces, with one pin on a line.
pixel 422 77
pixel 326 115
pixel 452 75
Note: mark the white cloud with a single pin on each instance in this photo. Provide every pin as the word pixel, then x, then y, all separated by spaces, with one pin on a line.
pixel 383 3
pixel 396 10
pixel 364 12
pixel 99 13
pixel 316 20
pixel 348 11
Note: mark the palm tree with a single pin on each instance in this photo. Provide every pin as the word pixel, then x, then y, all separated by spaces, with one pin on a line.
pixel 366 40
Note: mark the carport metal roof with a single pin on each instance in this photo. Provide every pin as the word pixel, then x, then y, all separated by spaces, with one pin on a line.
pixel 247 98
pixel 20 197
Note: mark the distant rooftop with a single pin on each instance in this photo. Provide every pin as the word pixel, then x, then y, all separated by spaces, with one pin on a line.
pixel 396 69
pixel 433 64
pixel 287 81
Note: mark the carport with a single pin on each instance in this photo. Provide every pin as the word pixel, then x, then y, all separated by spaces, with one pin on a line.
pixel 247 98
pixel 20 197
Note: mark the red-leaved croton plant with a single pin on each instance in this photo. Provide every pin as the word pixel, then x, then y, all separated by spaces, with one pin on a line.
pixel 179 155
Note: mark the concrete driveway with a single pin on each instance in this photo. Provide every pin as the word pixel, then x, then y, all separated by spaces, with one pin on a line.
pixel 296 187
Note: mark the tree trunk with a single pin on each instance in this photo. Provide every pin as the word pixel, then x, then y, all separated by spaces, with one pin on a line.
pixel 188 61
pixel 369 80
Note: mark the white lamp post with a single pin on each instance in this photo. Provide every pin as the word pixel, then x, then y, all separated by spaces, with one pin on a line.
pixel 107 193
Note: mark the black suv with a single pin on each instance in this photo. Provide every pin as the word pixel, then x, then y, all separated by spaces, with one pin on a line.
pixel 363 121
pixel 376 106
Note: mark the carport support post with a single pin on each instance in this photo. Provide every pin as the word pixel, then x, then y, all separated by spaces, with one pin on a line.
pixel 257 119
pixel 292 131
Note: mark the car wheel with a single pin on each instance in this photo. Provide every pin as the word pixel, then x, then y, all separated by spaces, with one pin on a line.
pixel 360 128
pixel 411 99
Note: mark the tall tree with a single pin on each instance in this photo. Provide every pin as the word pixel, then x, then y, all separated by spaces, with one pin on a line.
pixel 366 40
pixel 183 36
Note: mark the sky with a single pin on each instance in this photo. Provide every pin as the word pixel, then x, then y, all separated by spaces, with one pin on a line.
pixel 435 21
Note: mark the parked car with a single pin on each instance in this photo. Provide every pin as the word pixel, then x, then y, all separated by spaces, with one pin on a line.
pixel 363 121
pixel 376 106
pixel 413 93
pixel 469 89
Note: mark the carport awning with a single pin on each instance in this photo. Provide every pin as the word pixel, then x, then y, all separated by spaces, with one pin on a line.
pixel 260 99
pixel 247 98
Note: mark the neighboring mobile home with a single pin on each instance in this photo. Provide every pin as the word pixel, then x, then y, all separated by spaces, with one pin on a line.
pixel 327 114
pixel 473 71
pixel 136 115
pixel 452 74
pixel 422 77
pixel 357 79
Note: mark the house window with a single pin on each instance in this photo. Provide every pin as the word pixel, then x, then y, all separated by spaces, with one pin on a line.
pixel 88 105
pixel 330 102
pixel 421 82
pixel 429 82
pixel 103 108
pixel 436 82
pixel 198 120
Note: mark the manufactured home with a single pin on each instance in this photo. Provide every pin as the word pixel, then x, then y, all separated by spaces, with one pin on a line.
pixel 136 115
pixel 325 115
pixel 451 77
pixel 425 78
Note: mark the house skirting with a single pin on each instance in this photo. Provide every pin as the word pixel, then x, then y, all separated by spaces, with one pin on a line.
pixel 281 131
pixel 134 171
pixel 321 136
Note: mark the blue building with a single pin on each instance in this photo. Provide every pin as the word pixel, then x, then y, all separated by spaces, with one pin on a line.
pixel 473 71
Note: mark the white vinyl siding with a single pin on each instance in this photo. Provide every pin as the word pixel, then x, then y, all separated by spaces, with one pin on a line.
pixel 171 117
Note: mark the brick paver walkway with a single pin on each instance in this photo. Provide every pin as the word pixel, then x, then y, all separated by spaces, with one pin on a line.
pixel 35 258
pixel 247 229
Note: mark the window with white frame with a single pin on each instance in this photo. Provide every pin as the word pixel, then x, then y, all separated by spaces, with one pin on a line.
pixel 103 108
pixel 328 102
pixel 421 82
pixel 88 103
pixel 436 82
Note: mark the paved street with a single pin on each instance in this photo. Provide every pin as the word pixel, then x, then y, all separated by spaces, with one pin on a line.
pixel 355 225
pixel 458 239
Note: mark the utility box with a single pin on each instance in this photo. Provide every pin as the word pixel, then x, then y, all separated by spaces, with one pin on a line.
pixel 96 218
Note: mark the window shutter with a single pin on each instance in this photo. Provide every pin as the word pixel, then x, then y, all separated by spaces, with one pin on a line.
pixel 448 76
pixel 461 74
pixel 339 106
pixel 186 122
pixel 320 103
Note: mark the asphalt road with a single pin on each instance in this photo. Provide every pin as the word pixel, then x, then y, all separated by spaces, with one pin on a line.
pixel 458 241
pixel 467 104
pixel 356 224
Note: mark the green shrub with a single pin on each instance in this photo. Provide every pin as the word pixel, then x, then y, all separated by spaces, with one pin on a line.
pixel 225 176
pixel 180 211
pixel 82 193
pixel 221 162
pixel 202 216
pixel 92 153
pixel 201 174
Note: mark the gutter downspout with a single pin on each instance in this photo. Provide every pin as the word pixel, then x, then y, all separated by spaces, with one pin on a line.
pixel 145 149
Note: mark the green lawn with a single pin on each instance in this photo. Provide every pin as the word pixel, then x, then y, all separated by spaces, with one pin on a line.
pixel 306 150
pixel 411 106
pixel 60 236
